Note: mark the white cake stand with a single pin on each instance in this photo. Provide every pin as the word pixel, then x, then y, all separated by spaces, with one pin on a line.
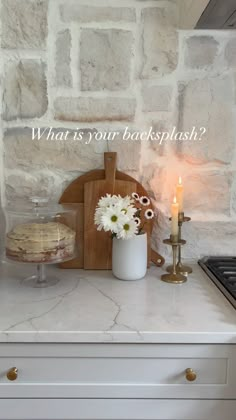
pixel 38 212
pixel 40 279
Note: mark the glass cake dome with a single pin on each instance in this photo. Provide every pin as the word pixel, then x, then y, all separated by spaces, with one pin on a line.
pixel 42 234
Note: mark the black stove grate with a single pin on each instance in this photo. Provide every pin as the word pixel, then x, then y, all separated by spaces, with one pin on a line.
pixel 222 270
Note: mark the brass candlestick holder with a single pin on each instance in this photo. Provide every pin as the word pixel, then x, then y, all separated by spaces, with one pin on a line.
pixel 173 276
pixel 181 268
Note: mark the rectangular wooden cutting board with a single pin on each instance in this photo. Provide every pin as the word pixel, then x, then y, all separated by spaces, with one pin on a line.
pixel 97 244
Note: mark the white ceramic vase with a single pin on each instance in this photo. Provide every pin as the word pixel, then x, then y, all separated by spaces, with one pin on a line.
pixel 129 257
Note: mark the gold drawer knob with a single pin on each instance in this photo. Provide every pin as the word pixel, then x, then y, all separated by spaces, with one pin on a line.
pixel 190 375
pixel 12 374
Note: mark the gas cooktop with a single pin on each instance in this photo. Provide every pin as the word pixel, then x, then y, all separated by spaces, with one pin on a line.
pixel 222 271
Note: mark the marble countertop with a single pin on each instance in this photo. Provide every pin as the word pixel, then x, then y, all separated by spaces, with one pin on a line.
pixel 93 306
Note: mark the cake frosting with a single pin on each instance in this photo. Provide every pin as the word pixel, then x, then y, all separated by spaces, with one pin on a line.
pixel 40 242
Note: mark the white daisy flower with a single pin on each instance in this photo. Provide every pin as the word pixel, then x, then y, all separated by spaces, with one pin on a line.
pixel 125 201
pixel 98 218
pixel 137 221
pixel 113 219
pixel 129 211
pixel 128 230
pixel 107 201
pixel 144 201
pixel 149 214
pixel 135 196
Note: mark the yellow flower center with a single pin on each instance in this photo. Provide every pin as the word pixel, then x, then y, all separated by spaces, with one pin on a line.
pixel 126 227
pixel 114 218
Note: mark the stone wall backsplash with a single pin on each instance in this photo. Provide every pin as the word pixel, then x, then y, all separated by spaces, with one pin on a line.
pixel 109 65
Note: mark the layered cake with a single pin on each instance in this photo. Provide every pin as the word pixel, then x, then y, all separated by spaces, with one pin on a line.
pixel 40 242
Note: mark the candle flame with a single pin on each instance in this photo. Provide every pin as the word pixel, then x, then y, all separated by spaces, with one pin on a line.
pixel 180 180
pixel 174 201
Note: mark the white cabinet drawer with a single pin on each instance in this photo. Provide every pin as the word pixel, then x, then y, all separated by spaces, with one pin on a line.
pixel 118 371
pixel 117 409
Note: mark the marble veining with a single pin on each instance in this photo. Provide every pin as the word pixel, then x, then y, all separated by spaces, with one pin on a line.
pixel 93 306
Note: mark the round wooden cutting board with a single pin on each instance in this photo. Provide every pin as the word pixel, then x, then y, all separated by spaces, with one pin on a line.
pixel 75 194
